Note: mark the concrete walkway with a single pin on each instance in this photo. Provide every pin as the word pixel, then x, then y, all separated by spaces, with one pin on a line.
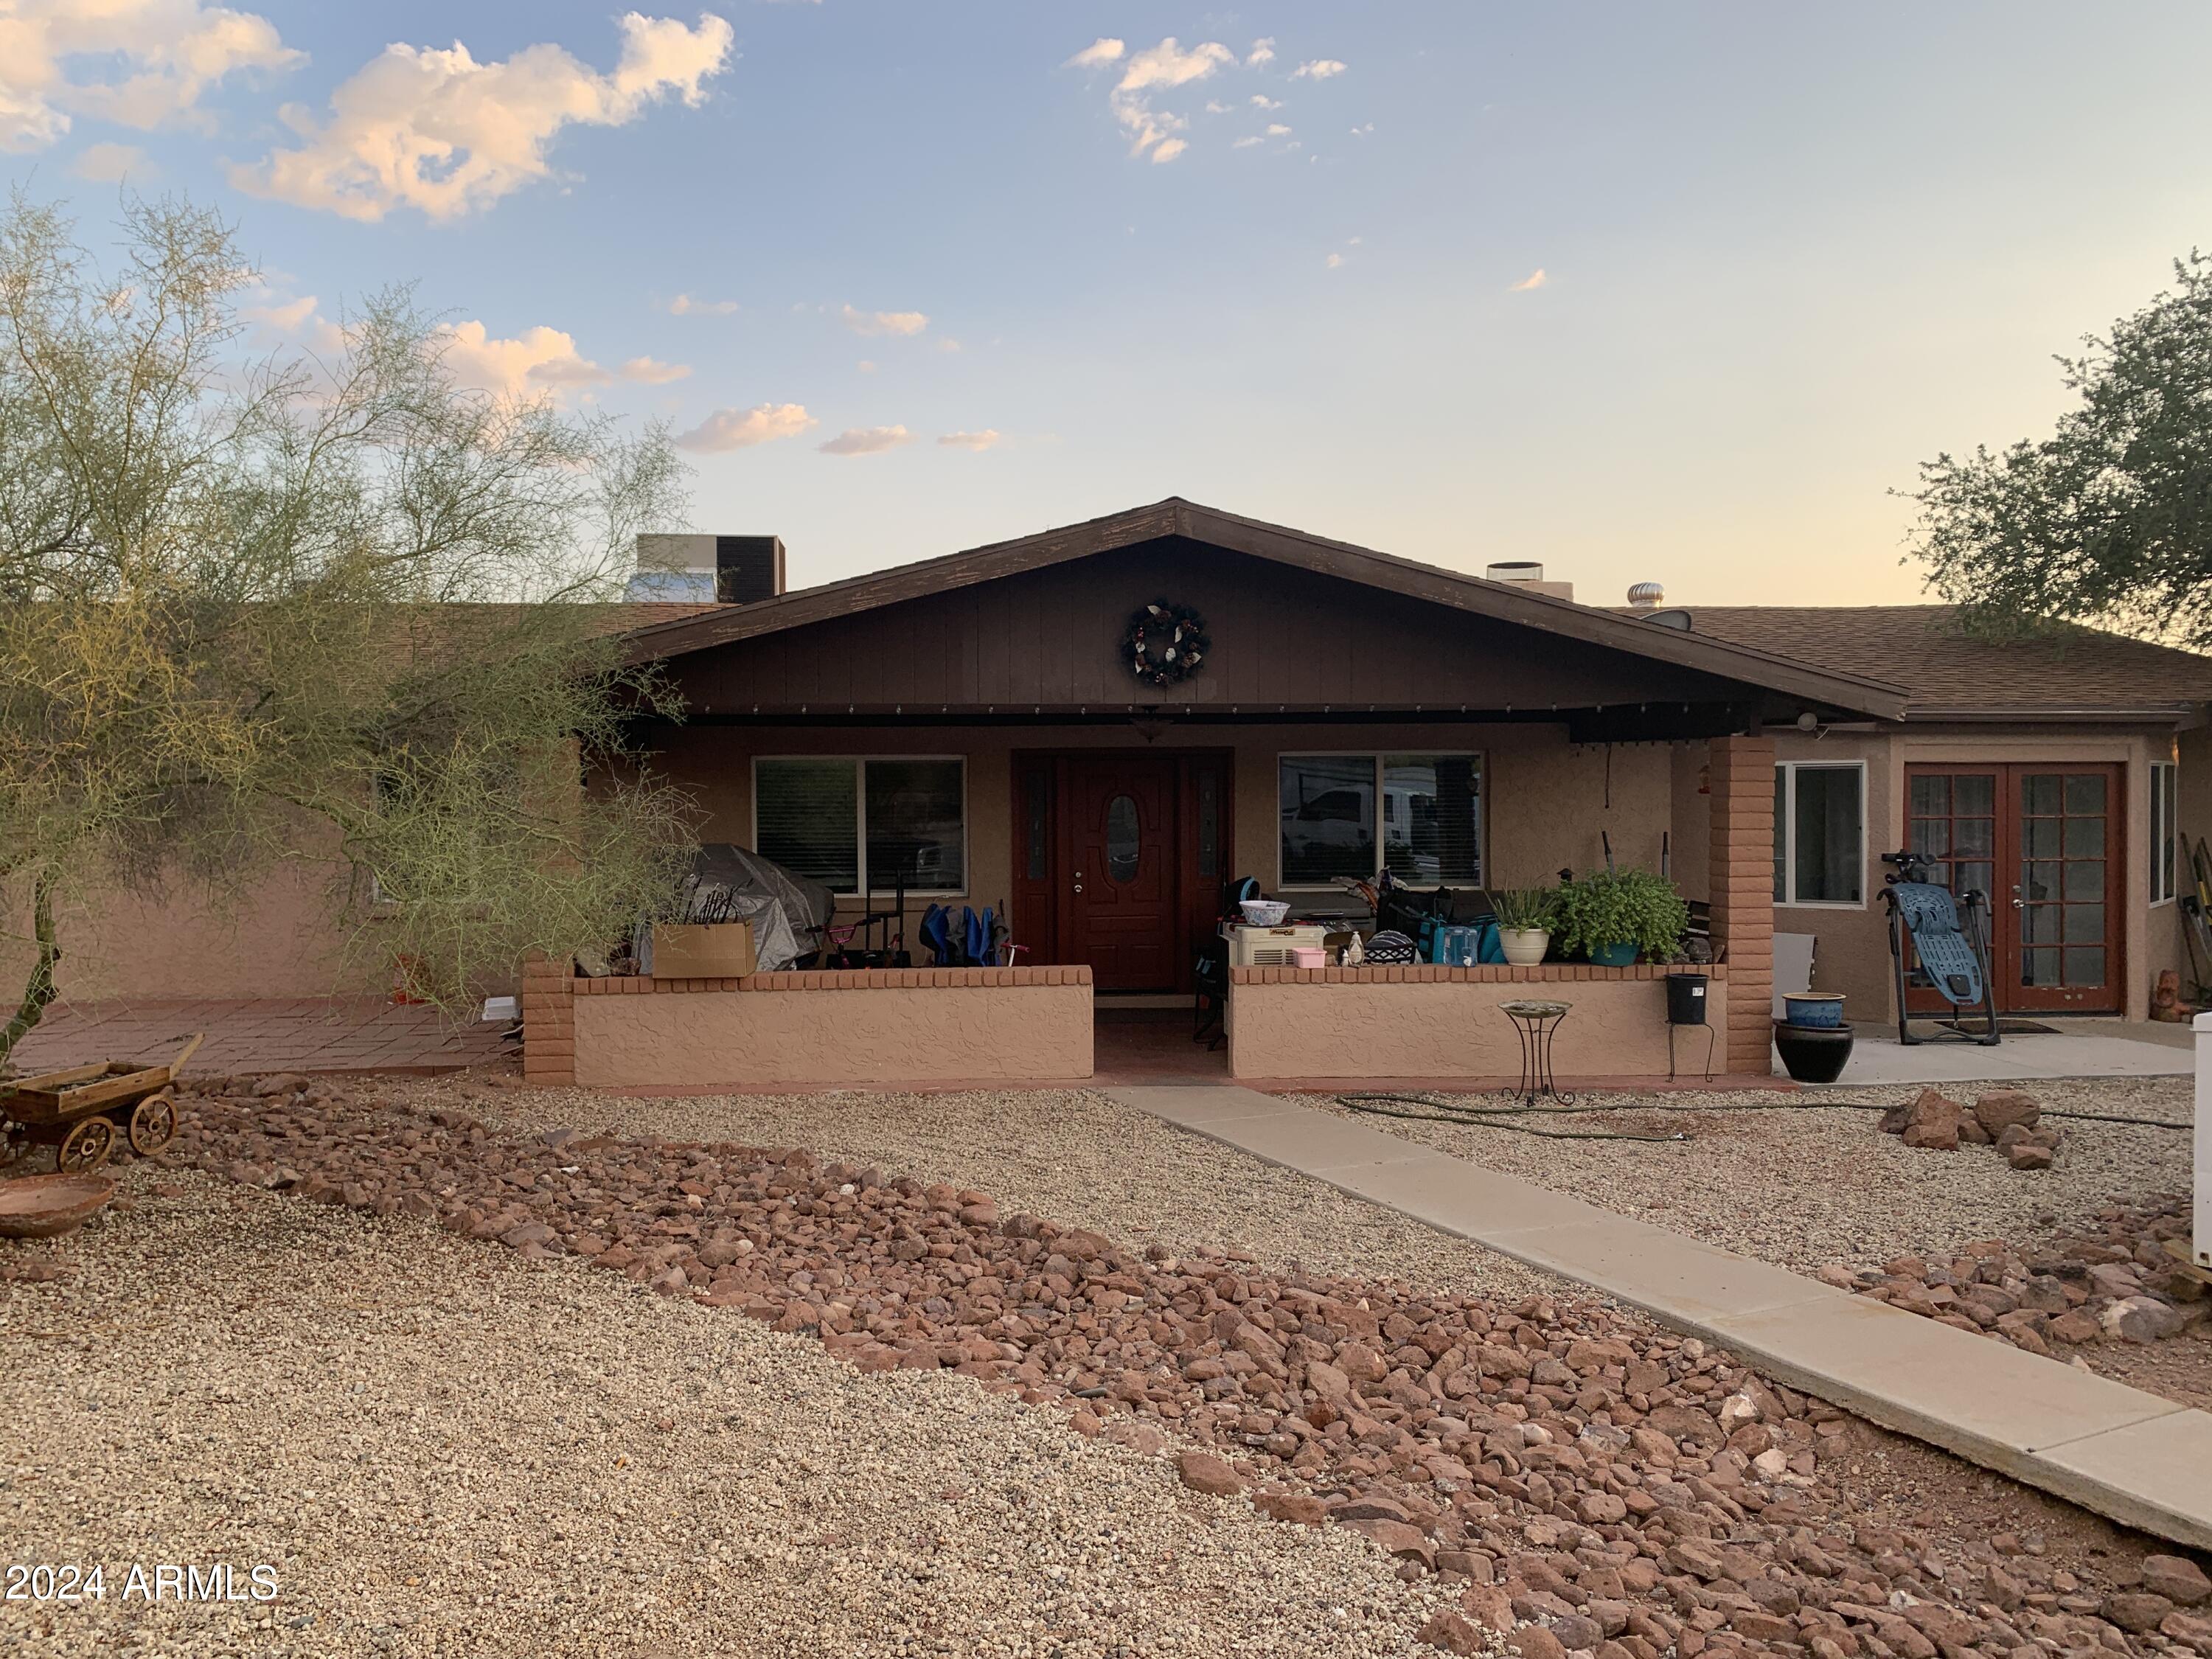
pixel 2104 1048
pixel 2141 1460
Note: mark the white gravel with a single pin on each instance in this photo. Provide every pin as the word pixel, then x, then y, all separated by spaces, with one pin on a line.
pixel 1808 1184
pixel 1073 1155
pixel 444 1449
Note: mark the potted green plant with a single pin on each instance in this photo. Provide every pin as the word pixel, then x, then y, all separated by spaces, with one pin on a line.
pixel 1611 915
pixel 1524 923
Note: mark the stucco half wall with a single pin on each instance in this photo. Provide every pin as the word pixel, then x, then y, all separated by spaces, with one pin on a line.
pixel 1444 1023
pixel 912 1027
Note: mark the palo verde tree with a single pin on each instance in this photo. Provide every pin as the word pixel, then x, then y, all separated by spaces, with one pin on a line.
pixel 333 607
pixel 2108 521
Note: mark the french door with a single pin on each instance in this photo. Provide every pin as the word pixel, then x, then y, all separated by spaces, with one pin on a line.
pixel 2042 843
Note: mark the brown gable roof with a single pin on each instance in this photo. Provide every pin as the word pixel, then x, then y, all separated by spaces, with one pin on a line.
pixel 2075 672
pixel 1747 663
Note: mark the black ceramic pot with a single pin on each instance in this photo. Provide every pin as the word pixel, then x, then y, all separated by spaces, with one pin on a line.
pixel 1813 1054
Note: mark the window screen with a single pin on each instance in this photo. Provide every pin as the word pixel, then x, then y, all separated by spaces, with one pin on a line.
pixel 1819 834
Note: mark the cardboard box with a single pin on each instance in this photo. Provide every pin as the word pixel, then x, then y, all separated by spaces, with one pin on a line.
pixel 720 949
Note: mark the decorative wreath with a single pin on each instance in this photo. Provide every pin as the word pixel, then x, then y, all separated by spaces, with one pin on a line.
pixel 1165 643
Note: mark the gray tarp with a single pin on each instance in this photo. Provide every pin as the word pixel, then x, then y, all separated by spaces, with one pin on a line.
pixel 728 884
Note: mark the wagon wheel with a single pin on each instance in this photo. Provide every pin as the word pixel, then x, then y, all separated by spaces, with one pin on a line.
pixel 153 1123
pixel 15 1141
pixel 86 1146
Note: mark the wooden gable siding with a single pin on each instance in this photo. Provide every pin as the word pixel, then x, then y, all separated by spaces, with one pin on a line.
pixel 1282 637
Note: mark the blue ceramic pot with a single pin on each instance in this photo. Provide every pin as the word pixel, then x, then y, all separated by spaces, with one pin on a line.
pixel 1814 1011
pixel 1614 956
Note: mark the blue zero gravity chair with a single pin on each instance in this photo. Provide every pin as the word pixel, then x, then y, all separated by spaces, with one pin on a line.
pixel 1953 951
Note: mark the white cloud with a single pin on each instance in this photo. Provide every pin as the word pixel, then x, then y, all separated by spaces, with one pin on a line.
pixel 866 441
pixel 1318 68
pixel 1361 132
pixel 1335 261
pixel 684 305
pixel 651 370
pixel 107 164
pixel 440 133
pixel 741 429
pixel 1277 130
pixel 1250 141
pixel 874 323
pixel 866 366
pixel 1263 51
pixel 1535 279
pixel 536 360
pixel 144 62
pixel 1105 50
pixel 1261 101
pixel 1163 67
pixel 975 441
pixel 289 317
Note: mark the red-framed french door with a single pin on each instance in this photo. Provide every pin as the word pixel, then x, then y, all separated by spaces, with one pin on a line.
pixel 1118 860
pixel 2045 843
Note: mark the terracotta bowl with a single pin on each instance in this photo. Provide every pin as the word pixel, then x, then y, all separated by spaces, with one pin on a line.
pixel 47 1205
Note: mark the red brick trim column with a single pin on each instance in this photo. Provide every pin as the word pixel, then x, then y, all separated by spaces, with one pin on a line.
pixel 549 1020
pixel 1741 773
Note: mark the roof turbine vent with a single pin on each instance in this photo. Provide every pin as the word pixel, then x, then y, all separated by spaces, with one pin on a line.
pixel 1647 596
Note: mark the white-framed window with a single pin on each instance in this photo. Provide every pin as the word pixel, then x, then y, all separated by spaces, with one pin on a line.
pixel 1418 815
pixel 1819 834
pixel 2164 816
pixel 845 820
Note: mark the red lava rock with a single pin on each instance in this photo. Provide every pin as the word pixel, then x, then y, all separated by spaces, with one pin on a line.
pixel 2026 1155
pixel 2177 1578
pixel 1203 1471
pixel 1932 1121
pixel 1627 1489
pixel 1450 1632
pixel 2140 1612
pixel 2000 1109
pixel 1535 1642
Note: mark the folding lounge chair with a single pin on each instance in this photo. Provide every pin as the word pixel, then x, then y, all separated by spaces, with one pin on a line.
pixel 1953 951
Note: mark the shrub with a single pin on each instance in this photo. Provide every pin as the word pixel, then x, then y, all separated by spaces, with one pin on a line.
pixel 1607 908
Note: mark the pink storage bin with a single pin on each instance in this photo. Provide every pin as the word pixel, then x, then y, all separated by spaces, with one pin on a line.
pixel 1308 955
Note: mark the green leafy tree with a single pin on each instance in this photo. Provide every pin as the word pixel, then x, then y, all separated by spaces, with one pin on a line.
pixel 337 607
pixel 2108 521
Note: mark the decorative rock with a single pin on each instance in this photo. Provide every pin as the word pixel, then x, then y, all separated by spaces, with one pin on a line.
pixel 2027 1155
pixel 1203 1471
pixel 1407 1543
pixel 1931 1122
pixel 2140 1319
pixel 1453 1634
pixel 1489 1606
pixel 1535 1642
pixel 1292 1506
pixel 2137 1611
pixel 2000 1109
pixel 2177 1578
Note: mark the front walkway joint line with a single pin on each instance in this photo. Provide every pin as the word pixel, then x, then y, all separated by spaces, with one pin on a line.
pixel 2144 1462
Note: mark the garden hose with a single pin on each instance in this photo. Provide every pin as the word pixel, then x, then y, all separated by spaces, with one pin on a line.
pixel 1481 1116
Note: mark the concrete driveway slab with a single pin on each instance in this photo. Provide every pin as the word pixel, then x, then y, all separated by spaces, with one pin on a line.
pixel 2164 1464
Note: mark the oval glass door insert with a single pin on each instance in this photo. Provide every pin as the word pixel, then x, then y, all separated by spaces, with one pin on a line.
pixel 1123 844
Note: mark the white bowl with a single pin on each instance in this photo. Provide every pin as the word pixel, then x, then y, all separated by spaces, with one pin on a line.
pixel 1264 913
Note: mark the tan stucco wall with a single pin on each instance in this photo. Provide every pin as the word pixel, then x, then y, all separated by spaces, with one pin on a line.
pixel 1546 802
pixel 278 936
pixel 1453 1029
pixel 916 1037
pixel 1852 955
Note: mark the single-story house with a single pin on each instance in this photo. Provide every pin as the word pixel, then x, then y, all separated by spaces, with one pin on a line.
pixel 976 726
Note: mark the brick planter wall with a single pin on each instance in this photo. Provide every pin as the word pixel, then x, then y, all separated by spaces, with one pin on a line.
pixel 865 1027
pixel 1444 1023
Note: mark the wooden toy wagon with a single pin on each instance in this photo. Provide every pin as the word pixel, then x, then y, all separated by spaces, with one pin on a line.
pixel 82 1111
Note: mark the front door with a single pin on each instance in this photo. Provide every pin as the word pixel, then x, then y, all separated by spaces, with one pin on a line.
pixel 2043 844
pixel 1120 914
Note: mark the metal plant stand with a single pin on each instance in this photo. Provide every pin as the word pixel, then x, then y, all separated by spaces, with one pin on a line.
pixel 1536 1023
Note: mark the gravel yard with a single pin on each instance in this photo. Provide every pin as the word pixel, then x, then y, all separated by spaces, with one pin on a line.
pixel 445 1449
pixel 1070 1154
pixel 1808 1185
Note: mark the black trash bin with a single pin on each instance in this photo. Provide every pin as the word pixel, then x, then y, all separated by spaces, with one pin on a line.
pixel 1685 999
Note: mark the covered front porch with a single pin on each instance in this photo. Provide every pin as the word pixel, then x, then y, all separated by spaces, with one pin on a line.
pixel 966 734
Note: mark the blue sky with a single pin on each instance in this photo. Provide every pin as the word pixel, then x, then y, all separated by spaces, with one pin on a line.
pixel 1785 255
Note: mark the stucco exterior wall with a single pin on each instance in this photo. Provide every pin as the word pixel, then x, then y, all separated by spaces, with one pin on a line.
pixel 910 1028
pixel 1445 1023
pixel 1546 802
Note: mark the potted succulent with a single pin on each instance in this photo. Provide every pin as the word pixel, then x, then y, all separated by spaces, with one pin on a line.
pixel 1524 924
pixel 1610 916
